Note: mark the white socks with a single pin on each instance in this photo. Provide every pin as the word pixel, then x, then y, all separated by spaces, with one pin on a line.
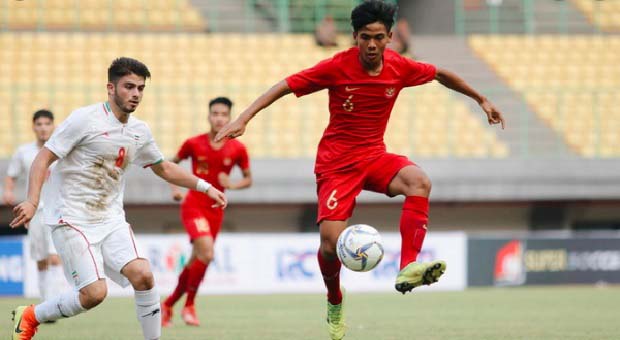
pixel 148 311
pixel 44 286
pixel 63 305
pixel 57 280
pixel 52 282
pixel 66 305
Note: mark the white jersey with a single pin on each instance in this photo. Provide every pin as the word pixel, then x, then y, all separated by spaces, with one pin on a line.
pixel 22 160
pixel 86 186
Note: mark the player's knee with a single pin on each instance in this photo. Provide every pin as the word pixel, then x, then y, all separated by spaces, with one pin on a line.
pixel 425 183
pixel 328 249
pixel 418 185
pixel 93 295
pixel 205 257
pixel 143 279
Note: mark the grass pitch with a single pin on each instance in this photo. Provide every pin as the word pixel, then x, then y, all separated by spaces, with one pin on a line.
pixel 509 313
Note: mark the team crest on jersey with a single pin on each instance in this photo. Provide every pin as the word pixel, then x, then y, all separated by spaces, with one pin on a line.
pixel 76 277
pixel 202 166
pixel 389 92
pixel 227 161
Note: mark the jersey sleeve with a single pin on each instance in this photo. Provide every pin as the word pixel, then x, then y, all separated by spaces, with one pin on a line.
pixel 68 134
pixel 417 73
pixel 185 150
pixel 312 79
pixel 243 160
pixel 148 154
pixel 16 165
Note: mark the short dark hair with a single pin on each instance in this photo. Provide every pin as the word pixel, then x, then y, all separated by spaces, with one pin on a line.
pixel 123 66
pixel 371 11
pixel 42 114
pixel 221 100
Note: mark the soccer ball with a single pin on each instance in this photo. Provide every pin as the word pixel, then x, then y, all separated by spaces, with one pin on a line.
pixel 360 247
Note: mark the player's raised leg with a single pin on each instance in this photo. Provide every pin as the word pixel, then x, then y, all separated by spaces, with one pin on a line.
pixel 83 261
pixel 71 303
pixel 148 309
pixel 330 269
pixel 415 185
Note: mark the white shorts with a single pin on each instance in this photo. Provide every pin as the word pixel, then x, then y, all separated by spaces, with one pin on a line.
pixel 85 262
pixel 40 234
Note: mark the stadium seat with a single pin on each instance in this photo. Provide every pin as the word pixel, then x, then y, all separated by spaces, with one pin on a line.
pixel 571 82
pixel 103 15
pixel 604 14
pixel 189 69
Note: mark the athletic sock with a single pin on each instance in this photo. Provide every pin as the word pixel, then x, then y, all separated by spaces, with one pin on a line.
pixel 197 270
pixel 148 310
pixel 64 305
pixel 331 276
pixel 44 286
pixel 412 228
pixel 180 288
pixel 56 277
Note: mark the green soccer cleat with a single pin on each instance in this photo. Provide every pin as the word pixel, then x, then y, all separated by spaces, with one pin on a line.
pixel 416 274
pixel 335 319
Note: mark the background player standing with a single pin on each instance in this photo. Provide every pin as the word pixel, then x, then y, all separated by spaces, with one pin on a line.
pixel 84 207
pixel 211 161
pixel 363 84
pixel 50 275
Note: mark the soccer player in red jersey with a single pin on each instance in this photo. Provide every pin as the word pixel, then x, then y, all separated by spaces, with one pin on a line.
pixel 213 162
pixel 363 83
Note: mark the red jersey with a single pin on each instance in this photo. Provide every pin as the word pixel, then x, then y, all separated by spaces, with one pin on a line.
pixel 359 104
pixel 208 162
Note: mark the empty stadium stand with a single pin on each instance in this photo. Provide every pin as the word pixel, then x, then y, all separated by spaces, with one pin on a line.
pixel 570 81
pixel 603 14
pixel 101 15
pixel 63 71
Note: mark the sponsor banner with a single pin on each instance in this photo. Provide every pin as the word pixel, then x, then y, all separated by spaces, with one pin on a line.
pixel 11 266
pixel 283 263
pixel 538 261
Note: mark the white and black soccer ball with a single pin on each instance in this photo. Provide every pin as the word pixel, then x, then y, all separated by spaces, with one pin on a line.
pixel 360 247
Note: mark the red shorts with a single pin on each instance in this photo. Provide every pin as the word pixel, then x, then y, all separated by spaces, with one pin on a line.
pixel 200 219
pixel 337 190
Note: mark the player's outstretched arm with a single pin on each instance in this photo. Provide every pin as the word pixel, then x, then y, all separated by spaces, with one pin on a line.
pixel 456 83
pixel 24 211
pixel 174 174
pixel 237 128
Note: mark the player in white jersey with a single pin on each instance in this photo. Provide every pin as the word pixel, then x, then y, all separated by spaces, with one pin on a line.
pixel 51 280
pixel 84 203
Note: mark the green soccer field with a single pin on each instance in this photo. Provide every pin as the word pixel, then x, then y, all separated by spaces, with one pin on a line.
pixel 509 313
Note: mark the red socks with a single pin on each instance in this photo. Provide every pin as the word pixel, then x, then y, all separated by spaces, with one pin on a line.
pixel 412 228
pixel 331 277
pixel 180 289
pixel 197 271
